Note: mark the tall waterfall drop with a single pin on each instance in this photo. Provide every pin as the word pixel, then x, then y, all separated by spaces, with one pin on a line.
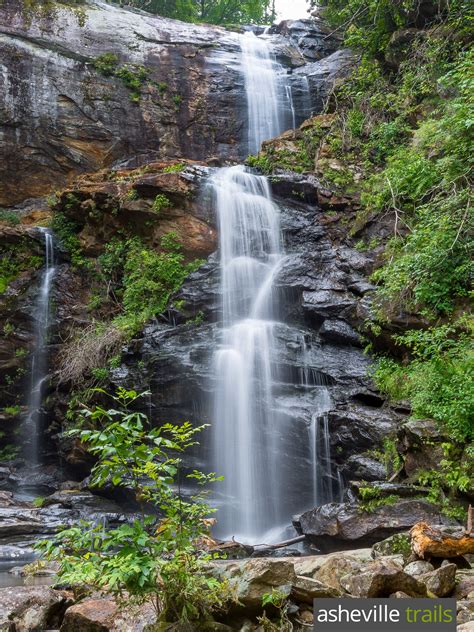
pixel 39 365
pixel 251 438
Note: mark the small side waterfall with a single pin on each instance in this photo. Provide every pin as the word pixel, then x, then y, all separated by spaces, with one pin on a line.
pixel 39 364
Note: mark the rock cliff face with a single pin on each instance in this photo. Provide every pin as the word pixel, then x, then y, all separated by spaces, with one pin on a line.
pixel 88 85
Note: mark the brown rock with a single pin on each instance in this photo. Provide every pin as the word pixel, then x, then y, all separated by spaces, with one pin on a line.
pixel 335 568
pixel 31 607
pixel 305 589
pixel 440 582
pixel 105 615
pixel 382 579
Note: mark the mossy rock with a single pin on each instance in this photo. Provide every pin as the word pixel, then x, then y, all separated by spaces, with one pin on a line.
pixel 397 544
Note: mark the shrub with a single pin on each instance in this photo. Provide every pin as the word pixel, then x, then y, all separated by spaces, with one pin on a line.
pixel 160 202
pixel 159 562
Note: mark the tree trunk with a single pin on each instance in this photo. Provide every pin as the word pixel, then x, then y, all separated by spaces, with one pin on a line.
pixel 429 542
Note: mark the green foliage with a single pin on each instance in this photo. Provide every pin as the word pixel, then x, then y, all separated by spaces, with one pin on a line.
pixel 160 202
pixel 278 600
pixel 373 499
pixel 149 280
pixel 369 24
pixel 14 411
pixel 9 217
pixel 132 194
pixel 67 231
pixel 439 380
pixel 15 259
pixel 176 168
pixel 9 453
pixel 156 562
pixel 133 76
pixel 230 12
pixel 453 477
pixel 106 64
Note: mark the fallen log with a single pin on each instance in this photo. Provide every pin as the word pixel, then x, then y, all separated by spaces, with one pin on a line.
pixel 427 542
pixel 261 549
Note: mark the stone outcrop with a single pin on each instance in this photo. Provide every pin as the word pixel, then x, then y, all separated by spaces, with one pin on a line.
pixel 108 203
pixel 87 85
pixel 343 524
pixel 30 608
pixel 350 574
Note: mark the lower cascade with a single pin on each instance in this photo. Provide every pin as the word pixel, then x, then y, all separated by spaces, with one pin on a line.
pixel 244 431
pixel 250 436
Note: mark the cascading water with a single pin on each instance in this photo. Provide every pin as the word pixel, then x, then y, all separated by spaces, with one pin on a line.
pixel 266 116
pixel 39 365
pixel 250 437
pixel 244 430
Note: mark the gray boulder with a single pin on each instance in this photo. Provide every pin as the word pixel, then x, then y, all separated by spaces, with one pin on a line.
pixel 343 524
pixel 382 579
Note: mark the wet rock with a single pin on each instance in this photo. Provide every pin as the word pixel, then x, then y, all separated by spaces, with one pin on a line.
pixel 440 582
pixel 420 567
pixel 321 74
pixel 343 524
pixel 360 467
pixel 106 615
pixel 313 40
pixel 339 332
pixel 381 579
pixel 32 608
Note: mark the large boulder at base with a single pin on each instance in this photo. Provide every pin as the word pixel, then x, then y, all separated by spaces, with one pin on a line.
pixel 440 582
pixel 255 577
pixel 105 615
pixel 31 608
pixel 466 627
pixel 310 566
pixel 337 567
pixel 381 579
pixel 339 525
pixel 305 590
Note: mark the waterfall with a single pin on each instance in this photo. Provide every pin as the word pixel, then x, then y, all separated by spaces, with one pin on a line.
pixel 244 428
pixel 39 365
pixel 266 114
pixel 251 439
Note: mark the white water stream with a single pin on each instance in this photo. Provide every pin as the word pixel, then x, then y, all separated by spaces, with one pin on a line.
pixel 251 440
pixel 39 364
